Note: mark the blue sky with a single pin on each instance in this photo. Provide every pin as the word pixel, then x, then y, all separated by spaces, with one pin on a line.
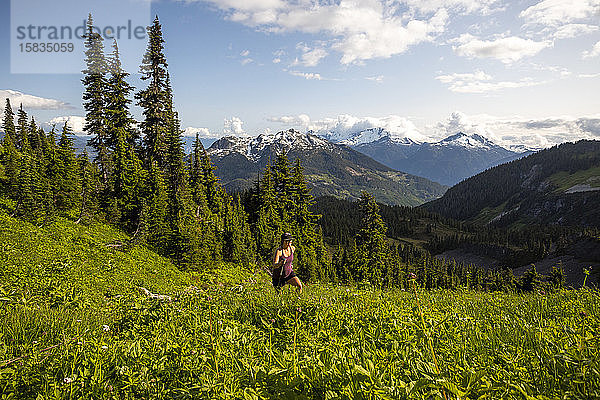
pixel 517 72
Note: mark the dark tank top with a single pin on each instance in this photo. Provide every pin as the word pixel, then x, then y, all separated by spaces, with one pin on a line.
pixel 287 266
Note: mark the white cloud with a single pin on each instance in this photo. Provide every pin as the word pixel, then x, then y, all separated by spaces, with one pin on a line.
pixel 246 61
pixel 506 49
pixel 480 82
pixel 310 57
pixel 589 75
pixel 340 127
pixel 378 78
pixel 463 6
pixel 233 126
pixel 559 12
pixel 245 53
pixel 75 122
pixel 359 29
pixel 299 121
pixel 276 60
pixel 32 102
pixel 512 130
pixel 307 75
pixel 594 52
pixel 505 131
pixel 203 133
pixel 574 30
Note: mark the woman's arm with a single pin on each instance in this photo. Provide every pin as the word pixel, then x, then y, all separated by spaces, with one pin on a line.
pixel 277 259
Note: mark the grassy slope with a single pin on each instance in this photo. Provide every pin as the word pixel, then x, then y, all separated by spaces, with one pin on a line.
pixel 64 255
pixel 241 340
pixel 563 180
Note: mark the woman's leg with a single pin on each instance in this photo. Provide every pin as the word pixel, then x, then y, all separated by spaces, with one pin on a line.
pixel 296 282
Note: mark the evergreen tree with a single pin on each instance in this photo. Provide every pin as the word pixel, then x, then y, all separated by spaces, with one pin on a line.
pixel 22 141
pixel 371 241
pixel 95 97
pixel 67 182
pixel 90 187
pixel 8 123
pixel 268 225
pixel 126 184
pixel 34 137
pixel 118 118
pixel 155 209
pixel 154 98
pixel 239 245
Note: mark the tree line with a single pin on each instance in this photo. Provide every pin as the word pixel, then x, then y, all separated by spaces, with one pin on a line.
pixel 140 180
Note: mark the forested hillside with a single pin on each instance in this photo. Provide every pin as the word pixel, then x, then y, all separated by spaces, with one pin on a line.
pixel 560 185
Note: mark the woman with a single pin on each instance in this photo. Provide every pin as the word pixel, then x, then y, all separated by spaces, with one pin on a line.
pixel 282 264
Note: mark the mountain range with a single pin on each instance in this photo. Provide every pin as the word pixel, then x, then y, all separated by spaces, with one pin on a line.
pixel 330 168
pixel 447 161
pixel 559 185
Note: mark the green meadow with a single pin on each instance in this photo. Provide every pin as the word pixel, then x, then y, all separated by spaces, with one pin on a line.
pixel 74 324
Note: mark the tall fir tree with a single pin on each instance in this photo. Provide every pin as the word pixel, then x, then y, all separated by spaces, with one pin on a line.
pixel 371 241
pixel 154 98
pixel 119 121
pixel 22 136
pixel 95 97
pixel 67 188
pixel 8 123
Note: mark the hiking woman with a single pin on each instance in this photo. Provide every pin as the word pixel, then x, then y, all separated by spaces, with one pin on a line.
pixel 282 264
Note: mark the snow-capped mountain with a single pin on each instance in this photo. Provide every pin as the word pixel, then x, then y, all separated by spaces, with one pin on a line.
pixel 330 168
pixel 253 148
pixel 460 139
pixel 447 161
pixel 369 135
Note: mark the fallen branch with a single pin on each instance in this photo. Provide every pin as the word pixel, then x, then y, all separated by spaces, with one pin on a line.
pixel 149 294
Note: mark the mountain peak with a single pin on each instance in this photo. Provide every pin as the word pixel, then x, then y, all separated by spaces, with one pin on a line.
pixel 253 147
pixel 469 141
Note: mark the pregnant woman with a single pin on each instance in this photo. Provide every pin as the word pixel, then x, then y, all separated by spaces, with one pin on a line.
pixel 282 264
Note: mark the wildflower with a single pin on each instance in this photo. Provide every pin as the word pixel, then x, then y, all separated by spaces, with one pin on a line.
pixel 106 328
pixel 272 320
pixel 78 320
pixel 67 380
pixel 299 309
pixel 104 347
pixel 582 314
pixel 220 322
pixel 412 275
pixel 35 342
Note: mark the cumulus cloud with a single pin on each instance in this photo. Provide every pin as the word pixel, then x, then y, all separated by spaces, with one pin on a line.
pixel 301 121
pixel 506 49
pixel 203 133
pixel 594 52
pixel 480 82
pixel 340 127
pixel 559 12
pixel 517 130
pixel 463 6
pixel 506 131
pixel 359 29
pixel 310 57
pixel 75 122
pixel 233 126
pixel 574 30
pixel 32 102
pixel 307 75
